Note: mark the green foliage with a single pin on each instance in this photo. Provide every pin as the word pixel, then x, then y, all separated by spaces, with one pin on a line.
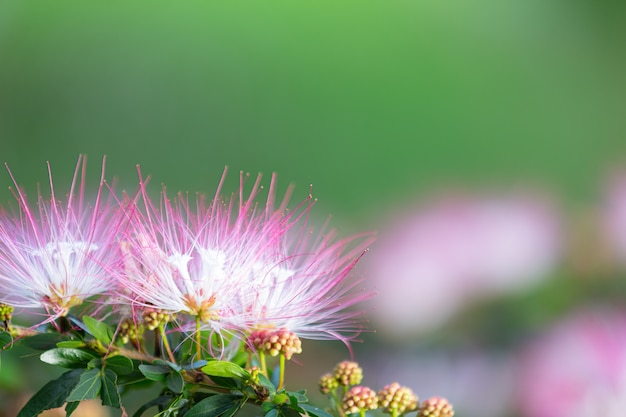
pixel 67 357
pixel 216 405
pixel 51 395
pixel 109 394
pixel 99 330
pixel 121 365
pixel 88 386
pixel 225 369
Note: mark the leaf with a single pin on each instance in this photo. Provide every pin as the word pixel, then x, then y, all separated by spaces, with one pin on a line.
pixel 71 344
pixel 175 382
pixel 272 413
pixel 264 382
pixel 67 357
pixel 121 365
pixel 43 341
pixel 227 369
pixel 155 372
pixel 71 407
pixel 314 411
pixel 109 394
pixel 5 339
pixel 88 386
pixel 213 406
pixel 101 331
pixel 230 383
pixel 195 365
pixel 159 401
pixel 51 395
pixel 234 408
pixel 299 397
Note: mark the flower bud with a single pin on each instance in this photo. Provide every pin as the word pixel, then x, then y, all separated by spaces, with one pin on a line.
pixel 435 407
pixel 396 399
pixel 359 399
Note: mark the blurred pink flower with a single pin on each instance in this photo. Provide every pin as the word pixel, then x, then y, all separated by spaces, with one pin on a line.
pixel 238 266
pixel 614 214
pixel 577 369
pixel 58 254
pixel 453 250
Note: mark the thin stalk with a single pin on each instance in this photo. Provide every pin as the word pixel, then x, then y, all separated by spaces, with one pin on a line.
pixel 262 363
pixel 166 344
pixel 198 338
pixel 281 379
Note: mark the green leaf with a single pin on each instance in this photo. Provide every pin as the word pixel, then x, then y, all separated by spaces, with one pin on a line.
pixel 51 395
pixel 159 401
pixel 121 365
pixel 155 372
pixel 71 344
pixel 67 357
pixel 234 408
pixel 101 331
pixel 213 406
pixel 264 382
pixel 109 394
pixel 299 396
pixel 230 383
pixel 43 341
pixel 272 413
pixel 285 411
pixel 195 365
pixel 175 382
pixel 226 369
pixel 314 411
pixel 5 339
pixel 88 386
pixel 71 407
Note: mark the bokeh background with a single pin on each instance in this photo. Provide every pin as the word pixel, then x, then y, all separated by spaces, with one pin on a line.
pixel 398 113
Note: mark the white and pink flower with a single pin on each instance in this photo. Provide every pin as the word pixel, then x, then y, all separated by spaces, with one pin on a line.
pixel 55 254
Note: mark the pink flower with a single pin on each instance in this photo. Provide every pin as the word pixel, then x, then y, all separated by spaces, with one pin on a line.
pixel 236 265
pixel 57 254
pixel 614 215
pixel 576 369
pixel 454 250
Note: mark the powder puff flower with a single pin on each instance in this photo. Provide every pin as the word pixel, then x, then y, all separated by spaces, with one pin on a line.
pixel 448 252
pixel 577 368
pixel 57 254
pixel 305 285
pixel 235 265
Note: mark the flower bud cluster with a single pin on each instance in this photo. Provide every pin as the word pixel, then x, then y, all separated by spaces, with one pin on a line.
pixel 348 373
pixel 435 407
pixel 153 318
pixel 130 331
pixel 393 399
pixel 360 399
pixel 6 312
pixel 275 342
pixel 396 399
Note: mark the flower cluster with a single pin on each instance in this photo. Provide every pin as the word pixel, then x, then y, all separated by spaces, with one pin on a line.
pixel 393 399
pixel 230 265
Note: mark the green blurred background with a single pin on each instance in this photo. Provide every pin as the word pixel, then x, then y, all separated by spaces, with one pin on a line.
pixel 369 101
pixel 374 103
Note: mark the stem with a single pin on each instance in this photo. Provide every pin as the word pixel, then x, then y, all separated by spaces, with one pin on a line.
pixel 281 379
pixel 166 344
pixel 198 338
pixel 362 412
pixel 262 363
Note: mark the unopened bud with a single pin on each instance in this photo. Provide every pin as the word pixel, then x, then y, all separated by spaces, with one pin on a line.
pixel 435 407
pixel 359 399
pixel 396 399
pixel 348 373
pixel 328 383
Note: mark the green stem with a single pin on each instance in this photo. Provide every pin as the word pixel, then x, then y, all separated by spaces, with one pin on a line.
pixel 281 379
pixel 262 363
pixel 198 338
pixel 362 412
pixel 166 344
